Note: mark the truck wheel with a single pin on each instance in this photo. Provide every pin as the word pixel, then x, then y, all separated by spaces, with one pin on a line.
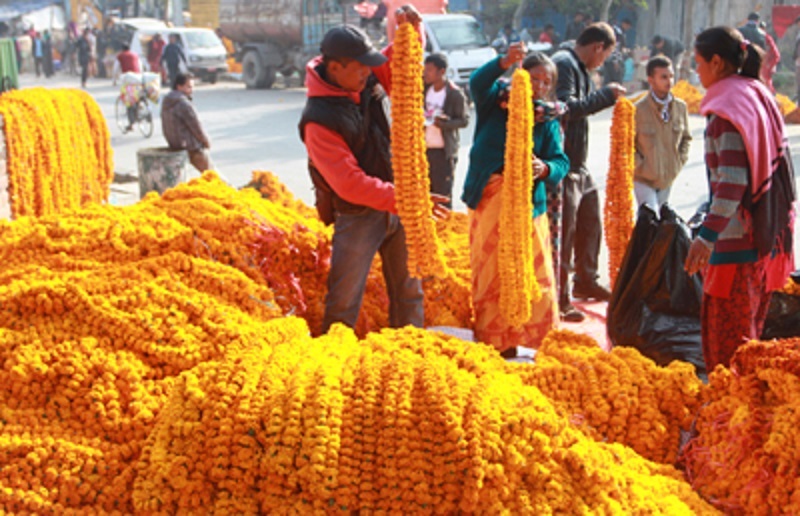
pixel 253 71
pixel 212 77
pixel 269 76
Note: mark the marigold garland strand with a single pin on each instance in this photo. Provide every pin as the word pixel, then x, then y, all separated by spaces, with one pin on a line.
pixel 59 150
pixel 619 212
pixel 409 161
pixel 518 285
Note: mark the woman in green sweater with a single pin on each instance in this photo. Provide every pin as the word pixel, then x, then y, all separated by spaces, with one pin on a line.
pixel 482 195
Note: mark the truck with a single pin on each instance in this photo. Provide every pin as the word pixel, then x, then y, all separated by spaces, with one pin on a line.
pixel 275 36
pixel 281 36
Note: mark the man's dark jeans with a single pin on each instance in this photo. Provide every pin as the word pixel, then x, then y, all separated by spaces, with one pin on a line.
pixel 357 236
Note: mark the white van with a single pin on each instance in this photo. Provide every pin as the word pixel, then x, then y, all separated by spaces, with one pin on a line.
pixel 205 53
pixel 461 39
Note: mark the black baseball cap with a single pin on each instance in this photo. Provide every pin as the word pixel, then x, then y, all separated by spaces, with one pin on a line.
pixel 351 42
pixel 754 16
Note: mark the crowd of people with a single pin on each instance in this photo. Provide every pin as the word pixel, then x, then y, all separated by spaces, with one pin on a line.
pixel 743 249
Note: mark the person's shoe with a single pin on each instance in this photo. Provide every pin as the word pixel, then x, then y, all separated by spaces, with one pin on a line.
pixel 571 314
pixel 592 291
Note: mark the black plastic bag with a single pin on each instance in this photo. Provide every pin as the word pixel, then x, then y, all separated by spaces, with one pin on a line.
pixel 783 318
pixel 655 305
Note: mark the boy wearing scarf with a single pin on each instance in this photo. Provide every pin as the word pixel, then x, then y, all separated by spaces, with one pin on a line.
pixel 662 136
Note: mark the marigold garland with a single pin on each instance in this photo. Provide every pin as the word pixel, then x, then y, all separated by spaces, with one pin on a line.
pixel 59 150
pixel 689 94
pixel 745 458
pixel 518 285
pixel 409 161
pixel 619 212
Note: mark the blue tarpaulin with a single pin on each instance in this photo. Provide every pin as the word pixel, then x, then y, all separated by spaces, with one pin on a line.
pixel 10 9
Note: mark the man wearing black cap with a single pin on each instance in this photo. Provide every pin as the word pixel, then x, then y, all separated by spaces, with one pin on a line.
pixel 346 132
pixel 753 33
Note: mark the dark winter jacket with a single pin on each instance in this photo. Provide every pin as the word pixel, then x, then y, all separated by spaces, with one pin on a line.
pixel 576 89
pixel 180 124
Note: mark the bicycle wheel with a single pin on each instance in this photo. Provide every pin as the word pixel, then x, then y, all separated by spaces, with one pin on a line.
pixel 145 118
pixel 121 113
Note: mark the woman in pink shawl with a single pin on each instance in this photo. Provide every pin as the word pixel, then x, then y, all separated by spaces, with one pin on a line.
pixel 744 248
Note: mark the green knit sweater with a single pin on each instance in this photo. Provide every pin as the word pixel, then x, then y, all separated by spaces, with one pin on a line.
pixel 488 149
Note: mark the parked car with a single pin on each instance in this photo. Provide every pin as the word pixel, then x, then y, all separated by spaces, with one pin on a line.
pixel 205 53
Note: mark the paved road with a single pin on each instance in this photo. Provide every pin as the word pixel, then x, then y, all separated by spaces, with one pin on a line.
pixel 257 130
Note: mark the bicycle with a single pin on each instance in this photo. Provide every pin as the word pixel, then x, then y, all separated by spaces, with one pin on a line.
pixel 144 116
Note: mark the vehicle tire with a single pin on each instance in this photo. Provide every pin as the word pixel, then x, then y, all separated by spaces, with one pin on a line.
pixel 121 114
pixel 270 73
pixel 212 78
pixel 144 117
pixel 254 73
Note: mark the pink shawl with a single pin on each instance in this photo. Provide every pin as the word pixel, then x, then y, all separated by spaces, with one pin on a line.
pixel 751 108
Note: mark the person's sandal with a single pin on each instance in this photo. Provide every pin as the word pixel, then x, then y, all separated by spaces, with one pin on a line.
pixel 572 314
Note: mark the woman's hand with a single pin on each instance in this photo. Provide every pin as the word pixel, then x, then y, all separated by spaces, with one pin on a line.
pixel 540 169
pixel 698 257
pixel 440 211
pixel 516 53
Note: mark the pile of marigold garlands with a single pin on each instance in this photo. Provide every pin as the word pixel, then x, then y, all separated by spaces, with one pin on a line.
pixel 58 150
pixel 689 94
pixel 148 366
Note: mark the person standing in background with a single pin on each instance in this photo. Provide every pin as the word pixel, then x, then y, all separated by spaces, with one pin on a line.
pixel 173 57
pixel 772 56
pixel 445 113
pixel 662 136
pixel 47 54
pixel 38 53
pixel 155 50
pixel 84 56
pixel 582 225
pixel 92 40
pixel 575 27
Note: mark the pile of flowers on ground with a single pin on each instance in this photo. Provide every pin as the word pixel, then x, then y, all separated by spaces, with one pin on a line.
pixel 689 94
pixel 58 148
pixel 620 397
pixel 389 423
pixel 101 309
pixel 745 457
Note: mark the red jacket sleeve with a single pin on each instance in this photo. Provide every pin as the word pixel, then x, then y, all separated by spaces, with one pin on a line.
pixel 337 164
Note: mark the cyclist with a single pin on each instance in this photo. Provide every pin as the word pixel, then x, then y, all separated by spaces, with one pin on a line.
pixel 129 62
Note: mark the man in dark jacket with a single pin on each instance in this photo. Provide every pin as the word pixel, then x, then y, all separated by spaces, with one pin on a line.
pixel 669 47
pixel 445 113
pixel 180 124
pixel 173 56
pixel 581 223
pixel 752 32
pixel 346 133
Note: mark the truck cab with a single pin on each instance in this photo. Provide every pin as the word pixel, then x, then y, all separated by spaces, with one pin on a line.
pixel 461 39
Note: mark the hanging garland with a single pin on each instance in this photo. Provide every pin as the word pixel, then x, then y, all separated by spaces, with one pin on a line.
pixel 619 211
pixel 518 285
pixel 412 183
